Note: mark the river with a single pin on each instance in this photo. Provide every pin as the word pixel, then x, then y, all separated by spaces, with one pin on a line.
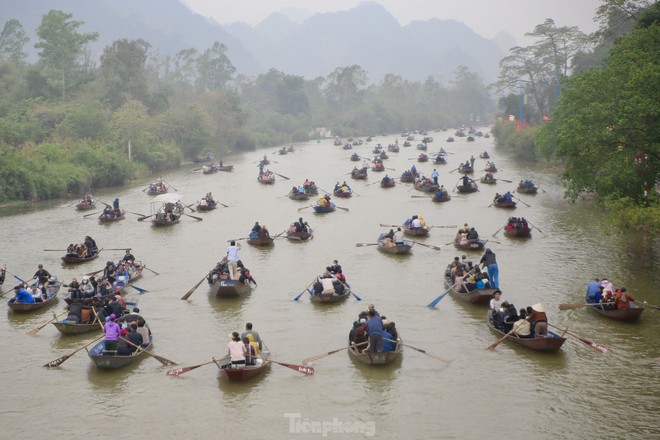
pixel 577 393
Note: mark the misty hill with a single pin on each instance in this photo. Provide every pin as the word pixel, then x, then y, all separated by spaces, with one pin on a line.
pixel 366 35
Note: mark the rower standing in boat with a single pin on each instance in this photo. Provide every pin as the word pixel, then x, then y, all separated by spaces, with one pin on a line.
pixel 435 175
pixel 232 258
pixel 375 332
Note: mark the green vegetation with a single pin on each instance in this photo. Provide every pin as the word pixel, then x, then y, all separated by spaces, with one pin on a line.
pixel 66 122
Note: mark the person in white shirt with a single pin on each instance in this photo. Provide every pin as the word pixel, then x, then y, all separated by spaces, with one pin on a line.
pixel 398 236
pixel 496 302
pixel 232 260
pixel 235 351
pixel 416 223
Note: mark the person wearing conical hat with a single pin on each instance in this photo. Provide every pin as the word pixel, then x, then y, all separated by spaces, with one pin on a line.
pixel 539 321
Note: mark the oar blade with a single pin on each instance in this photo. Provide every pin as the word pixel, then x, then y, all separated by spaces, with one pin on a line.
pixel 435 302
pixel 299 368
pixel 59 361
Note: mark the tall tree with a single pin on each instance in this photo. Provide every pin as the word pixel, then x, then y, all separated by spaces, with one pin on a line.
pixel 12 41
pixel 122 68
pixel 606 129
pixel 214 69
pixel 61 47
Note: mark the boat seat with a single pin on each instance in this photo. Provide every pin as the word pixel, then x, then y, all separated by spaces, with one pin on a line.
pixel 109 352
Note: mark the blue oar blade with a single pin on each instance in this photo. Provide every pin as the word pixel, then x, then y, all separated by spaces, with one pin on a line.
pixel 435 302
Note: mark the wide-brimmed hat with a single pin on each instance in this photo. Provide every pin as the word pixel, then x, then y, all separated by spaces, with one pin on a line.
pixel 538 308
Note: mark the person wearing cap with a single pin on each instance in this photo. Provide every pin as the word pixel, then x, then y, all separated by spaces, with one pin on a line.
pixel 538 320
pixel 255 335
pixel 22 296
pixel 112 332
pixel 489 261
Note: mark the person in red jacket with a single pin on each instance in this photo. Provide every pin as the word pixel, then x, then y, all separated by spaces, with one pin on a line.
pixel 622 299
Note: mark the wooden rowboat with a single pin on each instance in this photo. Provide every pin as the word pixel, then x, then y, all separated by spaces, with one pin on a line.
pixel 444 198
pixel 229 288
pixel 86 206
pixel 377 358
pixel 465 170
pixel 228 168
pixel 51 295
pixel 266 178
pixel 416 232
pixel 468 188
pixel 426 185
pixel 471 245
pixel 552 342
pixel 477 296
pixel 633 313
pixel 135 273
pixel 106 219
pixel 492 181
pixel 113 361
pixel 504 204
pixel 355 157
pixel 344 194
pixel 206 207
pixel 484 155
pixel 245 372
pixel 391 248
pixel 491 169
pixel 359 174
pixel 440 160
pixel 389 184
pixel 378 167
pixel 77 259
pixel 261 241
pixel 322 209
pixel 328 297
pixel 516 232
pixel 422 158
pixel 297 195
pixel 68 328
pixel 300 235
pixel 393 148
pixel 527 189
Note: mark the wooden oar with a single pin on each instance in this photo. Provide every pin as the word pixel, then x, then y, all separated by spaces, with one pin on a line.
pixel 191 207
pixel 383 225
pixel 118 249
pixel 504 180
pixel 347 287
pixel 60 360
pixel 159 358
pixel 421 351
pixel 443 226
pixel 182 370
pixel 498 231
pixel 190 292
pixel 537 228
pixel 593 345
pixel 170 185
pixel 496 343
pixel 645 304
pixel 139 289
pixel 283 177
pixel 93 213
pixel 303 292
pixel 453 170
pixel 523 202
pixel 577 306
pixel 540 188
pixel 421 197
pixel 34 331
pixel 144 218
pixel 365 244
pixel 305 207
pixel 196 218
pixel 150 270
pixel 71 204
pixel 321 356
pixel 280 233
pixel 237 239
pixel 136 213
pixel 435 302
pixel 339 207
pixel 299 368
pixel 437 248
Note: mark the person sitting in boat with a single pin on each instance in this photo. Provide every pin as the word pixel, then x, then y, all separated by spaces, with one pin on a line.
pixel 209 199
pixel 123 275
pixel 361 337
pixel 622 299
pixel 90 244
pixel 489 176
pixel 386 180
pixel 468 284
pixel 415 223
pixel 389 237
pixel 301 225
pixel 521 327
pixel 398 237
pixel 128 257
pixel 508 197
pixel 256 229
pixel 472 234
pixel 86 289
pixel 462 239
pixel 37 294
pixel 235 351
pixel 406 175
pixel 134 337
pixel 109 271
pixel 538 320
pixel 388 338
pixel 21 295
pixel 326 201
pixel 74 287
pixel 510 318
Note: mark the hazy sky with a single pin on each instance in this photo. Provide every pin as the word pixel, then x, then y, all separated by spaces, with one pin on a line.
pixel 486 17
